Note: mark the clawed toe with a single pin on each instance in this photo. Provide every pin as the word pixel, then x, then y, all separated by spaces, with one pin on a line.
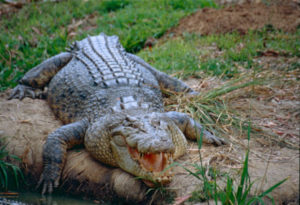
pixel 47 185
pixel 210 138
pixel 22 91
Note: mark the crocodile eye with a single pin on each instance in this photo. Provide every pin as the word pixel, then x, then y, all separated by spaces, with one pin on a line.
pixel 119 140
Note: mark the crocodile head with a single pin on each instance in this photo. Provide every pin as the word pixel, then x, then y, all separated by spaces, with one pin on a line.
pixel 141 145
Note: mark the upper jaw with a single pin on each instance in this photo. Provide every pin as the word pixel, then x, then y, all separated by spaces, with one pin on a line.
pixel 150 141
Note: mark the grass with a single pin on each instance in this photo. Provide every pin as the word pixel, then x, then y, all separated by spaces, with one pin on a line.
pixel 49 27
pixel 211 108
pixel 25 44
pixel 10 175
pixel 192 53
pixel 229 194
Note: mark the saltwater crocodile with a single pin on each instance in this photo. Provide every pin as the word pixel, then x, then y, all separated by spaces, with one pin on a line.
pixel 111 101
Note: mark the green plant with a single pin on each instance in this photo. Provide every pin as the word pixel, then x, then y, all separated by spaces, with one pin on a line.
pixel 229 194
pixel 113 5
pixel 218 67
pixel 159 191
pixel 179 4
pixel 10 174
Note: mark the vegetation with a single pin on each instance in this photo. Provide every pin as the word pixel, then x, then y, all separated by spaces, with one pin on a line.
pixel 46 32
pixel 10 175
pixel 193 53
pixel 229 194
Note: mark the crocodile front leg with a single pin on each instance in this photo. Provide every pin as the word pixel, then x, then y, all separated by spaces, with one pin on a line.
pixel 165 81
pixel 39 76
pixel 192 129
pixel 55 150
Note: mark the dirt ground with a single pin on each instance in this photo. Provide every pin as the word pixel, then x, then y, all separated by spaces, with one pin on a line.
pixel 284 15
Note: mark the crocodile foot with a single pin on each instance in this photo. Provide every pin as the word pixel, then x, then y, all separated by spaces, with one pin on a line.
pixel 212 139
pixel 22 91
pixel 49 180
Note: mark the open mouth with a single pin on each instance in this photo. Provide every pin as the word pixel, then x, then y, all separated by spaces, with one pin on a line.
pixel 155 163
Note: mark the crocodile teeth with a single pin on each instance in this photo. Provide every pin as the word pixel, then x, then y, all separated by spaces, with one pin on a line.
pixel 154 162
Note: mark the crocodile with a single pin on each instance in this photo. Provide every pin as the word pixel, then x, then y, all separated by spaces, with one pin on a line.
pixel 110 101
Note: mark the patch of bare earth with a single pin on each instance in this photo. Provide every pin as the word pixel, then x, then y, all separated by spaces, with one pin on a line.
pixel 284 15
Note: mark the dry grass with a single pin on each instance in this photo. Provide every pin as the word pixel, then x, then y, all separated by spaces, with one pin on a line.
pixel 269 99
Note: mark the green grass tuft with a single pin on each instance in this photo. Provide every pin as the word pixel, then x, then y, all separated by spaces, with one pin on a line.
pixel 113 5
pixel 10 175
pixel 229 194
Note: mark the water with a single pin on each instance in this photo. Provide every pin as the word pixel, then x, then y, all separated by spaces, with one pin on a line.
pixel 38 199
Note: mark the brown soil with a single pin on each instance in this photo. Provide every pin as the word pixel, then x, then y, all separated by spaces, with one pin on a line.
pixel 284 15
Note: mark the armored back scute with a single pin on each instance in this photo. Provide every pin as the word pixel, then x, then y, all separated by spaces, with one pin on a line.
pixel 99 74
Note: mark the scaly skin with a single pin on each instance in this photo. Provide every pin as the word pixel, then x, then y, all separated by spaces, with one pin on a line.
pixel 111 101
